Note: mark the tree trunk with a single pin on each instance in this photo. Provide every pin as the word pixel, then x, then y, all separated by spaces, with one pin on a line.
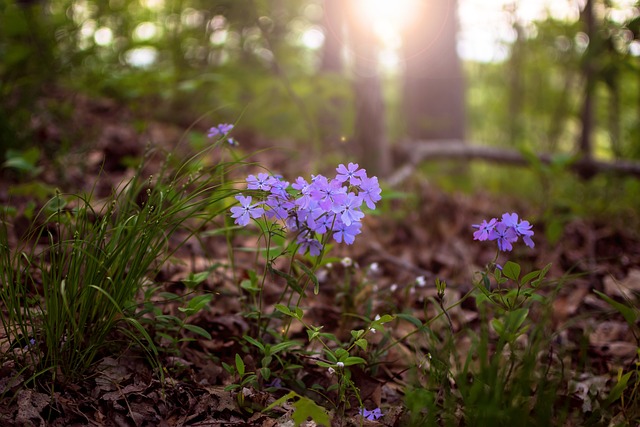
pixel 585 143
pixel 433 87
pixel 332 20
pixel 369 140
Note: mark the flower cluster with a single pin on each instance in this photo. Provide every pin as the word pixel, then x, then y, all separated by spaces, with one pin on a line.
pixel 222 131
pixel 371 415
pixel 506 231
pixel 312 209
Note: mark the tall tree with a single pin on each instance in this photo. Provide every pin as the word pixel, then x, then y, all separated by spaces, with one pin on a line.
pixel 589 75
pixel 433 80
pixel 370 143
pixel 332 20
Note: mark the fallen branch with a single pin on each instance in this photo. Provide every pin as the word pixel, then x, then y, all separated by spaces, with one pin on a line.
pixel 422 151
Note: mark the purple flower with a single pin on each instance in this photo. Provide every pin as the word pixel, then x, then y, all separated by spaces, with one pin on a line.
pixel 370 191
pixel 371 415
pixel 220 131
pixel 312 245
pixel 320 221
pixel 311 208
pixel 346 232
pixel 522 228
pixel 261 182
pixel 278 186
pixel 279 207
pixel 328 193
pixel 246 210
pixel 484 229
pixel 350 173
pixel 506 231
pixel 505 236
pixel 349 210
pixel 276 383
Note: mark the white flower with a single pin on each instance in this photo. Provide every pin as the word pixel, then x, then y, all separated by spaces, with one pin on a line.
pixel 394 287
pixel 376 318
pixel 322 275
pixel 346 262
pixel 420 281
pixel 331 371
pixel 340 365
pixel 374 268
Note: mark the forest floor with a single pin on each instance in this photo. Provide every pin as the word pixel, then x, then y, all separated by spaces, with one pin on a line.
pixel 428 235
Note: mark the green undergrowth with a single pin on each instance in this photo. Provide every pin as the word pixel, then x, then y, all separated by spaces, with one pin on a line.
pixel 81 285
pixel 77 276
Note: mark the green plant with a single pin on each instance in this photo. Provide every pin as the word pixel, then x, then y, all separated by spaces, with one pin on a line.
pixel 87 266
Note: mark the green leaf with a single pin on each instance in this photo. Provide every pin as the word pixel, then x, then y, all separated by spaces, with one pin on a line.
pixel 353 360
pixel 486 282
pixel 409 318
pixel 283 346
pixel 385 318
pixel 619 388
pixel 197 330
pixel 305 408
pixel 254 342
pixel 230 370
pixel 498 326
pixel 357 334
pixel 266 373
pixel 362 343
pixel 193 280
pixel 516 318
pixel 291 281
pixel 530 276
pixel 239 365
pixel 284 309
pixel 197 303
pixel 248 286
pixel 310 275
pixel 511 270
pixel 629 314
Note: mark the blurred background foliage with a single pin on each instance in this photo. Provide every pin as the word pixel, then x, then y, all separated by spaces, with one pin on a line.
pixel 260 62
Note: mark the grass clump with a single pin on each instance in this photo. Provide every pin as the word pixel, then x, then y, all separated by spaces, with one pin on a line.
pixel 79 274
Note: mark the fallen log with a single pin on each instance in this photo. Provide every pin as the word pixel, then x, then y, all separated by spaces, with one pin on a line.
pixel 417 152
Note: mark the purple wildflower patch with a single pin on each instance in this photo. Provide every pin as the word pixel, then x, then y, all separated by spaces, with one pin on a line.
pixel 505 231
pixel 315 209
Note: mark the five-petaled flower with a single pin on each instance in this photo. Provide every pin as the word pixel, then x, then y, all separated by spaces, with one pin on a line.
pixel 371 415
pixel 246 210
pixel 350 173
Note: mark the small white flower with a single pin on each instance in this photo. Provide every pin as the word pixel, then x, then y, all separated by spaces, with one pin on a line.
pixel 329 265
pixel 375 319
pixel 374 288
pixel 374 268
pixel 322 275
pixel 346 262
pixel 420 281
pixel 340 365
pixel 394 287
pixel 331 371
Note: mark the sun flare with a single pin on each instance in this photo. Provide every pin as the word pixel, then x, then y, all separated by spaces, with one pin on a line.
pixel 387 17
